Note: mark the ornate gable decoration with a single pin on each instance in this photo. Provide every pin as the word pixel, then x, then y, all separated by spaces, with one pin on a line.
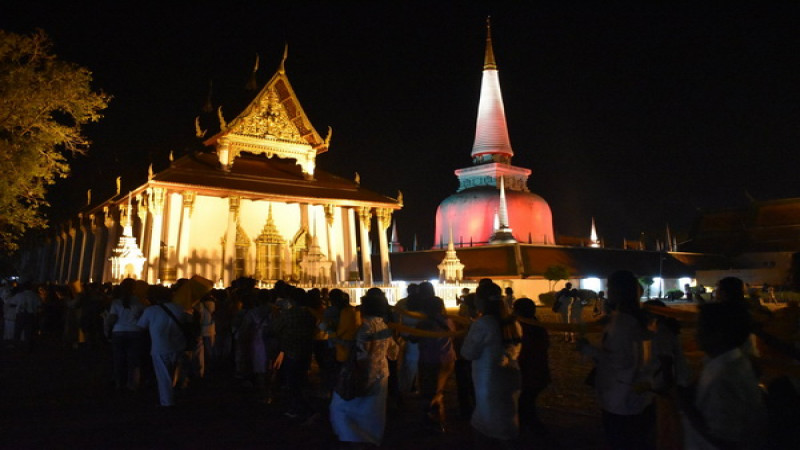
pixel 274 124
pixel 266 118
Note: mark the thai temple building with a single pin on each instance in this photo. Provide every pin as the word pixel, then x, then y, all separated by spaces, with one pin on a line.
pixel 475 211
pixel 252 203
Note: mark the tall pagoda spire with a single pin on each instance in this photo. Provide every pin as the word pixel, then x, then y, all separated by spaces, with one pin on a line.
pixel 593 240
pixel 491 132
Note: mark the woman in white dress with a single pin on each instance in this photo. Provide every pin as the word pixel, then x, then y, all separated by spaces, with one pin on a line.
pixel 363 419
pixel 493 344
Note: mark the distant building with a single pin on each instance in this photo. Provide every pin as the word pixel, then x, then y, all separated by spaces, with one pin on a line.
pixel 758 242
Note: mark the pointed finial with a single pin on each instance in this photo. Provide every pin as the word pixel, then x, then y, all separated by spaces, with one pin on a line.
pixel 357 178
pixel 450 245
pixel 199 132
pixel 171 156
pixel 252 83
pixel 150 172
pixel 400 197
pixel 503 207
pixel 282 67
pixel 119 182
pixel 488 61
pixel 128 221
pixel 88 197
pixel 222 124
pixel 328 137
pixel 594 241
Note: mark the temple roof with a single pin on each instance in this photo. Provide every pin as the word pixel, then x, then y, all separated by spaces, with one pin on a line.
pixel 491 131
pixel 274 113
pixel 259 177
pixel 760 226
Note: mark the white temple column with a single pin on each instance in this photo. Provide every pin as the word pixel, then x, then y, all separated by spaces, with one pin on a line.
pixel 111 237
pixel 229 248
pixel 95 239
pixel 173 214
pixel 157 197
pixel 141 212
pixel 350 248
pixel 384 221
pixel 82 249
pixel 329 219
pixel 183 236
pixel 364 222
pixel 59 260
pixel 71 253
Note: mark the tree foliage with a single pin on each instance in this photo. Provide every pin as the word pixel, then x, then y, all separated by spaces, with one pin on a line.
pixel 44 103
pixel 556 273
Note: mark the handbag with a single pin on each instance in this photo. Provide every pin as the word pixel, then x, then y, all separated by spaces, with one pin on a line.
pixel 190 330
pixel 352 381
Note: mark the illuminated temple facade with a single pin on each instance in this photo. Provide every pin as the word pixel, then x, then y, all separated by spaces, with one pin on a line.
pixel 252 203
pixel 474 214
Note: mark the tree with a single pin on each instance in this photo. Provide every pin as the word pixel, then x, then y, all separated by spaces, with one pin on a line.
pixel 555 273
pixel 44 103
pixel 646 283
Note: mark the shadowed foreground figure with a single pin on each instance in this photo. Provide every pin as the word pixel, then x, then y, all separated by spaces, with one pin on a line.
pixel 628 413
pixel 533 364
pixel 727 409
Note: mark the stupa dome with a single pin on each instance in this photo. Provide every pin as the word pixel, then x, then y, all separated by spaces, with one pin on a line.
pixel 471 214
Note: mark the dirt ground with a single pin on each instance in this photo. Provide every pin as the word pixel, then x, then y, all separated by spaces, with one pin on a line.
pixel 62 398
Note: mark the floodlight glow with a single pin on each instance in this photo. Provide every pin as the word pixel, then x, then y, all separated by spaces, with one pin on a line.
pixel 592 283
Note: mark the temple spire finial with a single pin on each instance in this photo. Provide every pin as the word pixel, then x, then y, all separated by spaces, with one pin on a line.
pixel 491 132
pixel 252 82
pixel 282 67
pixel 488 61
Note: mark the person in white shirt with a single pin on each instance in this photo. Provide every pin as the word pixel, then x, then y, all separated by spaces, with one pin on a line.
pixel 628 412
pixel 167 340
pixel 127 338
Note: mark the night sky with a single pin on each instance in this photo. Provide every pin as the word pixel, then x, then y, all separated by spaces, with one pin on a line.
pixel 637 115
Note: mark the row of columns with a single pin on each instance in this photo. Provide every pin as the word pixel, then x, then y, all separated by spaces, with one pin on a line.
pixel 82 252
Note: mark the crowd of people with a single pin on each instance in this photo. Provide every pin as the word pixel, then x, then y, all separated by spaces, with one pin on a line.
pixel 493 346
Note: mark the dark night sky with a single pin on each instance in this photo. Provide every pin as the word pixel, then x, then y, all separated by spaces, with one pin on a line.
pixel 637 115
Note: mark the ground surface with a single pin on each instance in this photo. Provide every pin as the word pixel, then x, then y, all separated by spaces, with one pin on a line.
pixel 62 398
